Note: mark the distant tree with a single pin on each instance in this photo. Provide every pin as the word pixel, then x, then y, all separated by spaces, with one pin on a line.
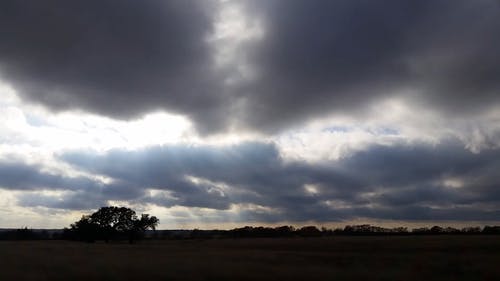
pixel 139 226
pixel 309 231
pixel 24 234
pixel 338 230
pixel 111 223
pixel 491 229
pixel 437 229
pixel 421 230
pixel 451 230
pixel 471 230
pixel 400 230
pixel 84 230
pixel 282 231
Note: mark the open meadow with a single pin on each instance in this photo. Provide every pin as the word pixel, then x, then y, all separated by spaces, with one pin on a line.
pixel 427 258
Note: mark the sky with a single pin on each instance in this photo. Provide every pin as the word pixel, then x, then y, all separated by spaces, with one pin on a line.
pixel 224 113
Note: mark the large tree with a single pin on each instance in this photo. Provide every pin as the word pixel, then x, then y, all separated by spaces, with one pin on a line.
pixel 112 223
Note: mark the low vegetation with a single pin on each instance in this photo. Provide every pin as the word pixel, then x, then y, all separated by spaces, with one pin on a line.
pixel 412 257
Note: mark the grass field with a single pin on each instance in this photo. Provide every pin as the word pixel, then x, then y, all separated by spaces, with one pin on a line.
pixel 331 258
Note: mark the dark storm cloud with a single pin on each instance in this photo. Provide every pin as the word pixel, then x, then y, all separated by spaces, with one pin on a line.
pixel 168 168
pixel 401 182
pixel 123 58
pixel 113 57
pixel 322 56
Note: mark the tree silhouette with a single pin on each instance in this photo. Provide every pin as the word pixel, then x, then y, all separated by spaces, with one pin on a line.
pixel 112 223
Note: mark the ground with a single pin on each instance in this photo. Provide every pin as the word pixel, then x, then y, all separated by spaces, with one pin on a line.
pixel 326 258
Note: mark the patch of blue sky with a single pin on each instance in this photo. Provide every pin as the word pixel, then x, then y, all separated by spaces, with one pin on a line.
pixel 376 131
pixel 385 131
pixel 341 129
pixel 35 121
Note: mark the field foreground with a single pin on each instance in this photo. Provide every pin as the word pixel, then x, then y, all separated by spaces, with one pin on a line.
pixel 329 258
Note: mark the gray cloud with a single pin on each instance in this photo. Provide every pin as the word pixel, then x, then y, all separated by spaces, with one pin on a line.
pixel 22 176
pixel 382 182
pixel 81 200
pixel 123 58
pixel 117 58
pixel 400 182
pixel 76 192
pixel 323 56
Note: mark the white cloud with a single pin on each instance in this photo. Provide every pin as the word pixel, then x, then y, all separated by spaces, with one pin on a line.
pixel 389 122
pixel 34 126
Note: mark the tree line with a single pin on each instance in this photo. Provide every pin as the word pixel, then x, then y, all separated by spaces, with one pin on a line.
pixel 90 234
pixel 313 231
pixel 120 223
pixel 26 233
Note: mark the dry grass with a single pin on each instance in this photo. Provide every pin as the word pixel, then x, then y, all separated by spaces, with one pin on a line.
pixel 334 258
